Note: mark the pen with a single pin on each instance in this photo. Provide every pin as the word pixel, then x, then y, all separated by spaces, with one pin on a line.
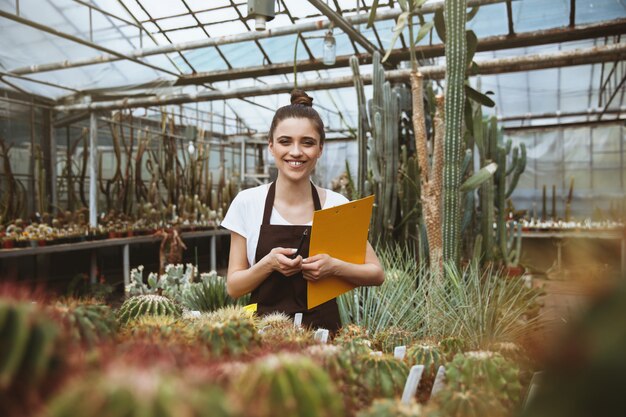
pixel 297 252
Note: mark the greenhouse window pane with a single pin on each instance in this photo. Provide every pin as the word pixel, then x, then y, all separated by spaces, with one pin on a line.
pixel 589 11
pixel 529 15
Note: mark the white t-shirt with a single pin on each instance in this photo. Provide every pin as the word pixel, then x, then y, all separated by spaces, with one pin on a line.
pixel 245 215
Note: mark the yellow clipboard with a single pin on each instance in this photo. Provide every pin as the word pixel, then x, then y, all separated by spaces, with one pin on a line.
pixel 340 232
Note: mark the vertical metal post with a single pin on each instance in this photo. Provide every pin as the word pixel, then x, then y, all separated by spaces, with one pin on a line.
pixel 93 272
pixel 126 266
pixel 243 160
pixel 213 257
pixel 53 161
pixel 93 191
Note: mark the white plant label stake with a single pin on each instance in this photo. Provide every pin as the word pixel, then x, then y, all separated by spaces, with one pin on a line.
pixel 440 381
pixel 413 380
pixel 376 353
pixel 399 352
pixel 297 320
pixel 321 335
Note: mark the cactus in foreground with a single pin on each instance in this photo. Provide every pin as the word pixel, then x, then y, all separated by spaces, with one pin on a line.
pixel 277 330
pixel 388 339
pixel 472 402
pixel 429 356
pixel 88 323
pixel 150 304
pixel 450 346
pixel 31 355
pixel 287 385
pixel 134 392
pixel 383 376
pixel 395 408
pixel 489 370
pixel 228 331
pixel 157 329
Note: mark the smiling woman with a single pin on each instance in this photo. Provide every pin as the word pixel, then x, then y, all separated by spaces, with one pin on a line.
pixel 263 241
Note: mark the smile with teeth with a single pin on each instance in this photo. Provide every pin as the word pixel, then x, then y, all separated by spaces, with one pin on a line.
pixel 295 163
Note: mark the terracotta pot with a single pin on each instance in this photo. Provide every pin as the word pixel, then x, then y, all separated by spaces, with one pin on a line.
pixel 8 244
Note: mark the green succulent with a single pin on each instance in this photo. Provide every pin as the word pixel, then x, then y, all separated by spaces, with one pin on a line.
pixel 497 376
pixel 382 376
pixel 471 402
pixel 388 408
pixel 136 392
pixel 427 355
pixel 147 304
pixel 227 331
pixel 451 345
pixel 287 385
pixel 89 323
pixel 391 337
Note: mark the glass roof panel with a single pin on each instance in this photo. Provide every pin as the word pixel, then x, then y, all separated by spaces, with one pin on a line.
pixel 529 15
pixel 243 54
pixel 588 11
pixel 177 22
pixel 281 48
pixel 206 59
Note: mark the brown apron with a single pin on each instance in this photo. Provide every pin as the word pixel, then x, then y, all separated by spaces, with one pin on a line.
pixel 289 294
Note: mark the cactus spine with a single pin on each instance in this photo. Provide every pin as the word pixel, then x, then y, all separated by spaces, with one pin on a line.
pixel 150 304
pixel 455 18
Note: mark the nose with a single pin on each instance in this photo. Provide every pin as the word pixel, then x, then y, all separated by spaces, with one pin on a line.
pixel 295 149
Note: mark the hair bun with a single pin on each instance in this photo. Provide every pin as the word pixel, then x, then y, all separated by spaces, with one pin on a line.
pixel 302 98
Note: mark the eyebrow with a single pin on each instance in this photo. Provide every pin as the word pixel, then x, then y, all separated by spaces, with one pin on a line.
pixel 291 137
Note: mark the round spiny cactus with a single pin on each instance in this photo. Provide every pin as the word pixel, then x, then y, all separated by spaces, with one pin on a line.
pixel 387 408
pixel 88 323
pixel 383 376
pixel 133 392
pixel 389 338
pixel 351 332
pixel 227 331
pixel 426 355
pixel 148 304
pixel 511 351
pixel 286 385
pixel 488 370
pixel 468 403
pixel 275 320
pixel 30 348
pixel 157 328
pixel 450 346
pixel 343 370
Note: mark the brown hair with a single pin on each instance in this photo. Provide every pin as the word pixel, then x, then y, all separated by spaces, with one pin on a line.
pixel 301 107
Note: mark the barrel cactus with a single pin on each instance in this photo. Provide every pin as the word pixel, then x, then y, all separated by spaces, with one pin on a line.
pixel 427 355
pixel 129 392
pixel 488 370
pixel 31 351
pixel 227 331
pixel 388 339
pixel 286 385
pixel 89 323
pixel 157 329
pixel 277 329
pixel 387 407
pixel 383 376
pixel 450 346
pixel 148 304
pixel 468 403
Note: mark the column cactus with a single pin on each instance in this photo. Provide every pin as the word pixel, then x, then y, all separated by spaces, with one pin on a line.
pixel 384 150
pixel 455 49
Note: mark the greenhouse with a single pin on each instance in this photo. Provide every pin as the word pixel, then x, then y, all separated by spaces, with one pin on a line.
pixel 312 208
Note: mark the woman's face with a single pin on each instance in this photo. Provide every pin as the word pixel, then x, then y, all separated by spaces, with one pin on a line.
pixel 296 147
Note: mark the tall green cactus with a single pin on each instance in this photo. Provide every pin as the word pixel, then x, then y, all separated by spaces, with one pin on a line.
pixel 383 158
pixel 493 193
pixel 456 46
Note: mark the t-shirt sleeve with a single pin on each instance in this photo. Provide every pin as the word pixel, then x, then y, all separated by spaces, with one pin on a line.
pixel 335 199
pixel 236 215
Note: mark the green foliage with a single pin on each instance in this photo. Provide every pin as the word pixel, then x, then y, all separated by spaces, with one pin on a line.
pixel 149 304
pixel 210 294
pixel 395 301
pixel 479 307
pixel 287 385
pixel 489 371
pixel 135 392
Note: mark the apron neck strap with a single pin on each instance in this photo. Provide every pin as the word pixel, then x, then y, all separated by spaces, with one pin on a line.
pixel 269 201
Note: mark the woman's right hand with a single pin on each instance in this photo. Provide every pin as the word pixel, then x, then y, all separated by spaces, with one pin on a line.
pixel 279 260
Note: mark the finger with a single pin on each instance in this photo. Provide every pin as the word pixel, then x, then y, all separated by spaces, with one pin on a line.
pixel 285 251
pixel 313 258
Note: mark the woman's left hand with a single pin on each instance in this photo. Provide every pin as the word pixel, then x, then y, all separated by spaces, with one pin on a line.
pixel 318 267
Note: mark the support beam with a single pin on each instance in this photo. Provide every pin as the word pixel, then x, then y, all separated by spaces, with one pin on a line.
pixel 111 53
pixel 346 26
pixel 497 66
pixel 230 39
pixel 554 115
pixel 549 127
pixel 491 43
pixel 93 171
